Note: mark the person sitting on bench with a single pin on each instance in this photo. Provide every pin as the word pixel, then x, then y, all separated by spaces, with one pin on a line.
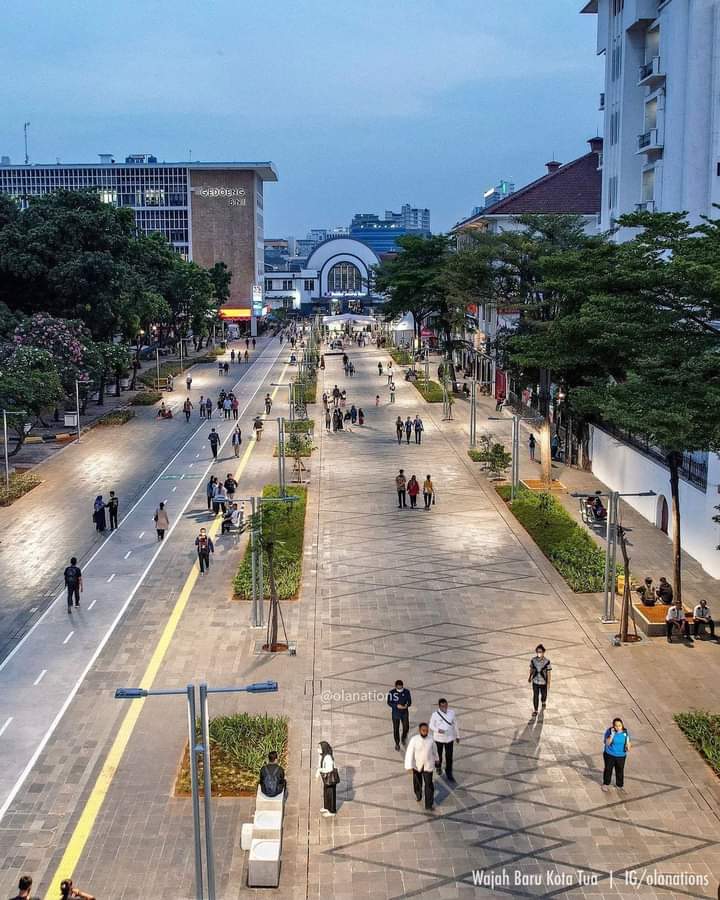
pixel 646 592
pixel 664 591
pixel 675 620
pixel 272 777
pixel 232 519
pixel 703 619
pixel 164 412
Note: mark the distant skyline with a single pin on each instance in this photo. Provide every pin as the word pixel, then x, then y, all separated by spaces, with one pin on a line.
pixel 362 107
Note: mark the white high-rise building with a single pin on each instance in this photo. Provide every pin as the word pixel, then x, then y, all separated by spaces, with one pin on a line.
pixel 661 104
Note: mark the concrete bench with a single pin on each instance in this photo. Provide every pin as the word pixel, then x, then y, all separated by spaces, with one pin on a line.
pixel 263 838
pixel 651 619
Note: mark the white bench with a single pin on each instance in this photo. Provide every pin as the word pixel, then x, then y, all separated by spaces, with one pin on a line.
pixel 263 838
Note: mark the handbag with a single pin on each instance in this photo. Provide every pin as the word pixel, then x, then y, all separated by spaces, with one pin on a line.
pixel 331 778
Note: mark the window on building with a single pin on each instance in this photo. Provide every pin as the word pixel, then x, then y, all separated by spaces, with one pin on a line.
pixel 651 114
pixel 648 186
pixel 618 6
pixel 309 284
pixel 344 277
pixel 287 284
pixel 154 197
pixel 612 192
pixel 268 284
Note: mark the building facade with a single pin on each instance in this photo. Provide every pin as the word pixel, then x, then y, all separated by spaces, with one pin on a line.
pixel 209 212
pixel 381 234
pixel 661 105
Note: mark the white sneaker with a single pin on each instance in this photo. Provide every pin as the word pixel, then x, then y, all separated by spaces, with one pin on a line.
pixel 323 810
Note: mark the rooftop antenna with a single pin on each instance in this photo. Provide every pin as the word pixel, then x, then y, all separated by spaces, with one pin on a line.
pixel 190 153
pixel 26 125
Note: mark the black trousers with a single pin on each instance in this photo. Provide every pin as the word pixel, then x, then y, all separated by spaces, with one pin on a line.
pixel 448 750
pixel 428 500
pixel 329 797
pixel 407 435
pixel 618 764
pixel 418 436
pixel 413 501
pixel 670 627
pixel 404 720
pixel 401 499
pixel 424 780
pixel 399 437
pixel 113 517
pixel 539 691
pixel 73 591
pixel 204 557
pixel 214 448
pixel 709 624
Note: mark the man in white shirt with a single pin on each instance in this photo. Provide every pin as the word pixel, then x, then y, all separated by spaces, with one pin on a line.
pixel 703 616
pixel 422 757
pixel 444 727
pixel 675 620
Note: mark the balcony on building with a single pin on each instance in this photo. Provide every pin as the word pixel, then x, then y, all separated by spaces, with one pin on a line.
pixel 650 142
pixel 601 105
pixel 650 75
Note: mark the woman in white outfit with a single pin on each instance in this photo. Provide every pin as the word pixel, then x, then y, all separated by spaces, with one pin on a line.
pixel 327 771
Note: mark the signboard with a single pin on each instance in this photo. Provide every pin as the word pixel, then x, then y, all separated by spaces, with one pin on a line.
pixel 257 300
pixel 234 196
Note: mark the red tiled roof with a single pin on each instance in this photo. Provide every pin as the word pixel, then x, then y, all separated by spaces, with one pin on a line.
pixel 573 189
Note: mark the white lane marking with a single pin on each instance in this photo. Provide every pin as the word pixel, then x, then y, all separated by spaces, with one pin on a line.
pixel 40 677
pixel 190 465
pixel 92 604
pixel 111 578
pixel 121 612
pixel 141 534
pixel 68 637
pixel 174 489
pixel 127 554
pixel 5 725
pixel 197 456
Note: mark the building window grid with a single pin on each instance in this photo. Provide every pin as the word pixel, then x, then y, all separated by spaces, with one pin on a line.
pixel 344 277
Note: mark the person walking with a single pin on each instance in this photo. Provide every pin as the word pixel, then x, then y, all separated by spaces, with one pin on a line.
pixel 361 416
pixel 380 369
pixel 539 677
pixel 210 490
pixel 24 888
pixel 188 382
pixel 400 486
pixel 419 428
pixel 99 514
pixel 247 356
pixel 162 522
pixel 327 770
pixel 69 892
pixel 220 498
pixel 399 429
pixel 616 744
pixel 389 373
pixel 413 489
pixel 73 583
pixel 399 700
pixel 336 395
pixel 377 399
pixel 235 403
pixel 187 408
pixel 428 492
pixel 531 447
pixel 268 404
pixel 208 408
pixel 232 357
pixel 230 486
pixel 236 440
pixel 253 343
pixel 392 391
pixel 353 414
pixel 421 757
pixel 204 545
pixel 328 421
pixel 247 342
pixel 112 508
pixel 214 439
pixel 258 428
pixel 408 428
pixel 227 407
pixel 202 407
pixel 446 733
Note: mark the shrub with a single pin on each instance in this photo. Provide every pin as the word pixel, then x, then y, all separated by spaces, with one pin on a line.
pixel 306 390
pixel 565 543
pixel 119 417
pixel 702 729
pixel 146 398
pixel 239 746
pixel 288 550
pixel 433 392
pixel 496 458
pixel 401 357
pixel 20 483
pixel 299 425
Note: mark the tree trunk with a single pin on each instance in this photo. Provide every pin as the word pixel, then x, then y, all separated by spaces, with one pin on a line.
pixel 273 621
pixel 117 385
pixel 101 391
pixel 674 461
pixel 20 441
pixel 625 613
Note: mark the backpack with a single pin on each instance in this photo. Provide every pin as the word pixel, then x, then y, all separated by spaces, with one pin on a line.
pixel 271 783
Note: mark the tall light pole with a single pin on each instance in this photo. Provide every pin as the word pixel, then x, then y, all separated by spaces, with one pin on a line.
pixel 281 454
pixel 194 750
pixel 157 365
pixel 26 125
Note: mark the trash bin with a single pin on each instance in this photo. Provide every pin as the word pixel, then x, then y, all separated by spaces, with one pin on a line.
pixel 71 420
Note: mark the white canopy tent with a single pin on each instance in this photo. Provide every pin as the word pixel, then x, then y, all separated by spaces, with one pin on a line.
pixel 403 331
pixel 338 323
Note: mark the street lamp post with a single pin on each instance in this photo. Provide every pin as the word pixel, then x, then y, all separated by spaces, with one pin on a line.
pixel 6 413
pixel 194 749
pixel 473 411
pixel 281 454
pixel 157 366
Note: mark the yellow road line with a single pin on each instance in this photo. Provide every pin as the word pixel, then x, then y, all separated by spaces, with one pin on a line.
pixel 93 805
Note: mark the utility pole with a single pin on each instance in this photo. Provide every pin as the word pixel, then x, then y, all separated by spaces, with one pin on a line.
pixel 26 125
pixel 473 411
pixel 281 454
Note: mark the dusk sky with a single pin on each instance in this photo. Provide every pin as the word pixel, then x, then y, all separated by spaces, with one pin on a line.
pixel 362 106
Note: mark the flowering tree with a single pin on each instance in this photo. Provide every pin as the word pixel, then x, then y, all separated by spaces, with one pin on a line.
pixel 67 341
pixel 29 384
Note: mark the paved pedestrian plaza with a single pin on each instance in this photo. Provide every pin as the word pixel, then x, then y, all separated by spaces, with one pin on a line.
pixel 452 601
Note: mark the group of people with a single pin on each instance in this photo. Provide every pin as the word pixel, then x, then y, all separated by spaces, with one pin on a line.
pixel 340 418
pixel 407 427
pixel 68 891
pixel 99 518
pixel 411 488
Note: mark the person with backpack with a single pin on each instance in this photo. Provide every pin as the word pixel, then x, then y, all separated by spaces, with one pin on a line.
pixel 539 677
pixel 272 777
pixel 73 583
pixel 187 408
pixel 214 439
pixel 616 743
pixel 204 545
pixel 330 778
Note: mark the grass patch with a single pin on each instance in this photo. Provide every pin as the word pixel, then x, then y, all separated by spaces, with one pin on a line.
pixel 301 426
pixel 702 729
pixel 239 746
pixel 433 392
pixel 288 550
pixel 303 451
pixel 20 483
pixel 146 398
pixel 306 391
pixel 119 417
pixel 568 546
pixel 401 357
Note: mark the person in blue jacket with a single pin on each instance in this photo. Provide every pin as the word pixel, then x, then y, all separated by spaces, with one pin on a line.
pixel 616 743
pixel 399 701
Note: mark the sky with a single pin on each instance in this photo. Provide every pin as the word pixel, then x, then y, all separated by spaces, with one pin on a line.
pixel 362 105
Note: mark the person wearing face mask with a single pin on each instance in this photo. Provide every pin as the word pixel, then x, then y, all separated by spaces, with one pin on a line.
pixel 421 757
pixel 539 677
pixel 330 778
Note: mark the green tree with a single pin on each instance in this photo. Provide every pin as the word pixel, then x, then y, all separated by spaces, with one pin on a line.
pixel 29 383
